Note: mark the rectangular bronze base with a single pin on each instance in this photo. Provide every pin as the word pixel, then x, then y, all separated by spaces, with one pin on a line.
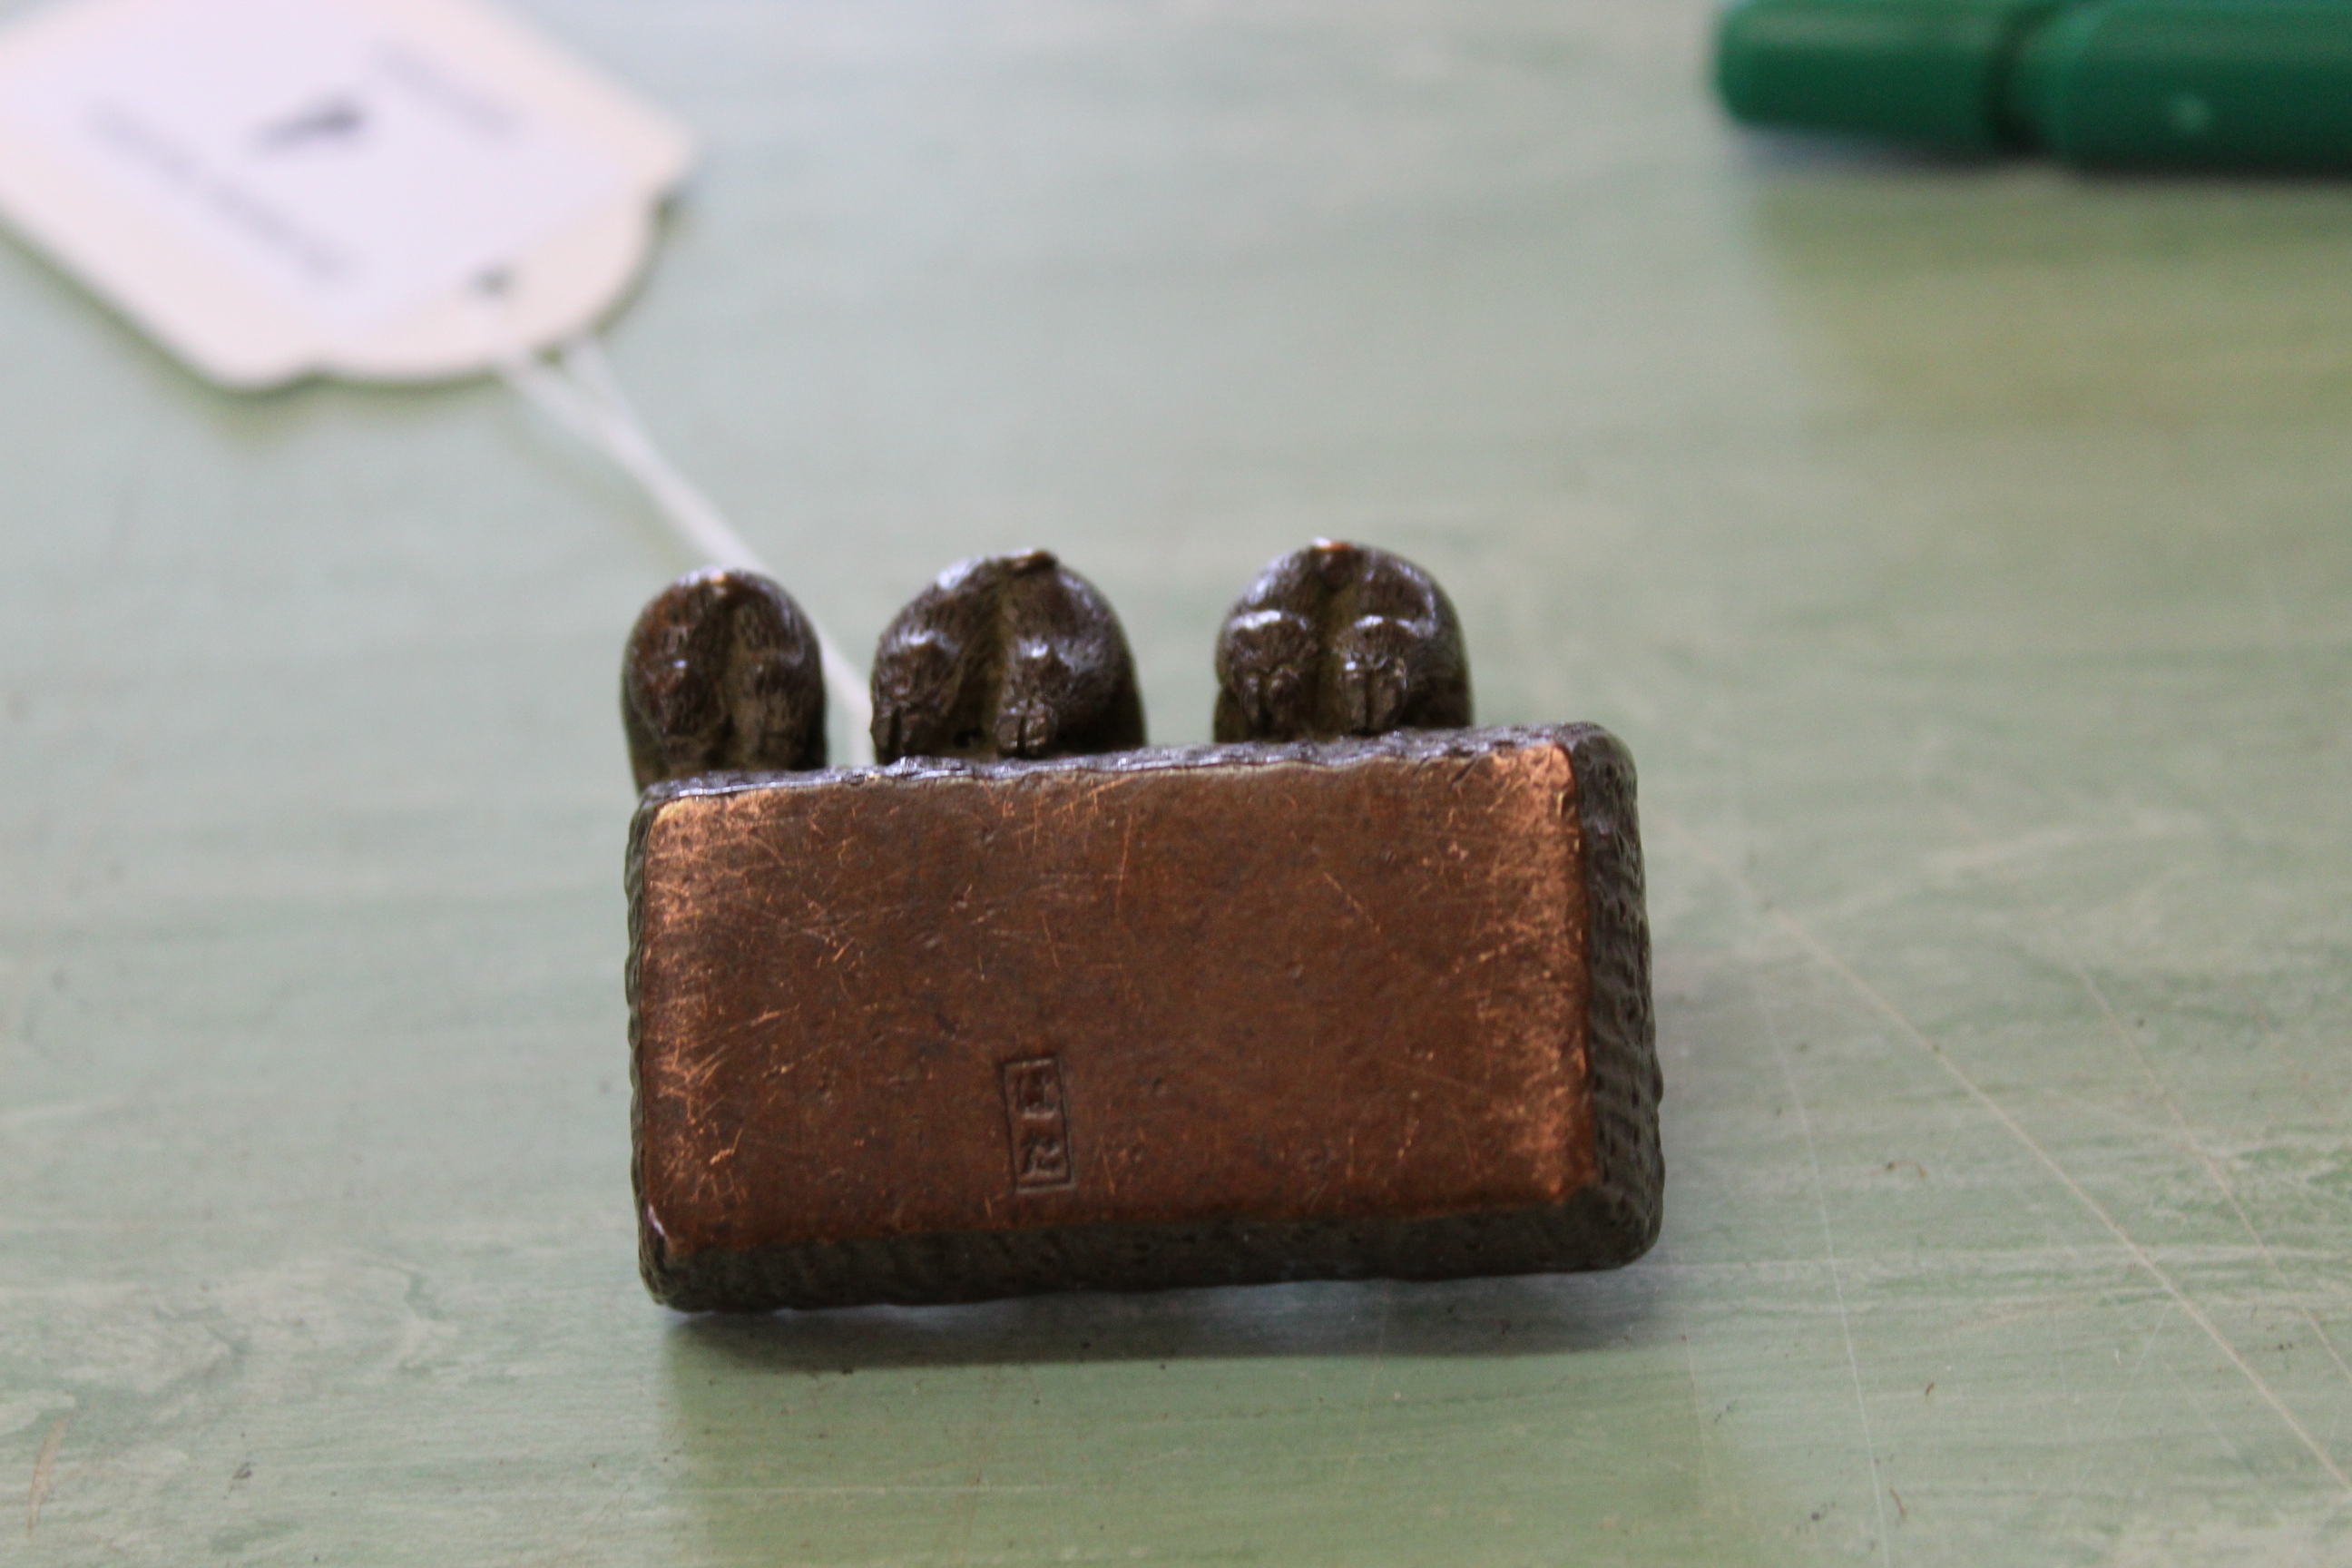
pixel 1214 1015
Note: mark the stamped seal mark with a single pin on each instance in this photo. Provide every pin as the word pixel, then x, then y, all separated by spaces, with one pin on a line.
pixel 1037 1118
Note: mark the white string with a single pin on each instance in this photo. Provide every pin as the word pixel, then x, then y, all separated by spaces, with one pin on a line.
pixel 577 389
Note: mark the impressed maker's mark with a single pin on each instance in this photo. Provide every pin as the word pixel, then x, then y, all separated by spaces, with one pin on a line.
pixel 1036 1115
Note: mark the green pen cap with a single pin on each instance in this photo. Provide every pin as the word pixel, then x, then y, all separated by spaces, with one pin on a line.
pixel 2241 84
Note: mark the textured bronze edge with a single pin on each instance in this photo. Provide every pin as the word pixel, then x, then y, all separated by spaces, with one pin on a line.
pixel 1604 1226
pixel 942 1267
pixel 1621 1026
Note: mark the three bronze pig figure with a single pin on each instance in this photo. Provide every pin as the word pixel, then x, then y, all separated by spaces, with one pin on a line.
pixel 1356 990
pixel 1017 655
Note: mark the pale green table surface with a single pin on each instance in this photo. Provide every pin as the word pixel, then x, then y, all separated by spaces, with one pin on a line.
pixel 1963 552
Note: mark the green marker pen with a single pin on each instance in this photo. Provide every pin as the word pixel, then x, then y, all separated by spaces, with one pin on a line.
pixel 2219 84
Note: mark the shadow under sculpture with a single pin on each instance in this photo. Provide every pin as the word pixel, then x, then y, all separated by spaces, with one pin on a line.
pixel 984 1022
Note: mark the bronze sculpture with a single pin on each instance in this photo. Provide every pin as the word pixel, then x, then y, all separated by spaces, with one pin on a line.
pixel 1005 656
pixel 979 1024
pixel 721 673
pixel 1340 640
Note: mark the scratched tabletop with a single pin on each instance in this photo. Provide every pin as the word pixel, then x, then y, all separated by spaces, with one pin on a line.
pixel 1962 551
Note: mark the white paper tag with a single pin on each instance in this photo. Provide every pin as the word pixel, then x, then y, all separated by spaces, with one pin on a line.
pixel 279 187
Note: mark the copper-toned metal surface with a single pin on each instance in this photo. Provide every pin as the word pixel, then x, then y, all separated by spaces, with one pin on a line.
pixel 946 1031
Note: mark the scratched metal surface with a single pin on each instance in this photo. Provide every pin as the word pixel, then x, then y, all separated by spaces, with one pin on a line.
pixel 1962 552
